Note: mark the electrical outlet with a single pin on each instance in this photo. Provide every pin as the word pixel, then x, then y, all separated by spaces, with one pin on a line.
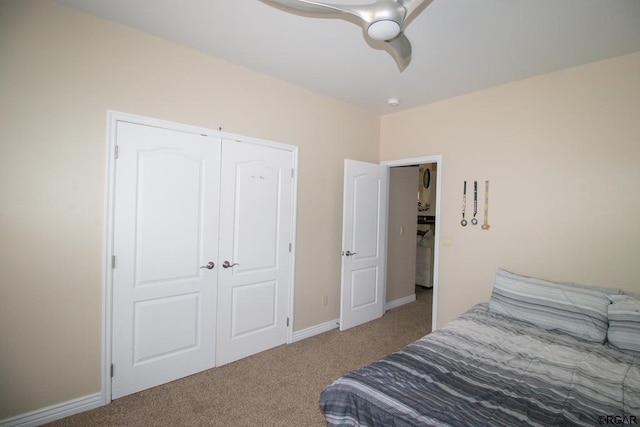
pixel 325 300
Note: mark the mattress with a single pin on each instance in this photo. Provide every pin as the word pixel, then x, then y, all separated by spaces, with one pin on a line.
pixel 485 369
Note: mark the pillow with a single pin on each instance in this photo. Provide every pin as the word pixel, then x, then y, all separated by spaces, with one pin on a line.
pixel 574 310
pixel 633 295
pixel 603 289
pixel 624 324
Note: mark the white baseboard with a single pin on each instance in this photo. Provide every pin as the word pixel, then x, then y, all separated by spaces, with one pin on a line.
pixel 55 412
pixel 399 302
pixel 332 324
pixel 315 330
pixel 92 401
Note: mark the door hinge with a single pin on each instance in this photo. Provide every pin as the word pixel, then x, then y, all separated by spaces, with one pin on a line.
pixel 115 154
pixel 292 173
pixel 113 261
pixel 290 246
pixel 287 322
pixel 112 370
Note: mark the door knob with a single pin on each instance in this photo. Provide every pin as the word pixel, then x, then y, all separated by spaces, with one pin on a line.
pixel 209 265
pixel 349 253
pixel 227 264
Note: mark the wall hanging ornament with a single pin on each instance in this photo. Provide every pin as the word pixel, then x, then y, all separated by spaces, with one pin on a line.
pixel 486 225
pixel 474 221
pixel 464 204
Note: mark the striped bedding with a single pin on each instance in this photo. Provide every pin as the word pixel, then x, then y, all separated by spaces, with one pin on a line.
pixel 484 369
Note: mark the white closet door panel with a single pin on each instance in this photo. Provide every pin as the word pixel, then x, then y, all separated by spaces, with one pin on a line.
pixel 257 212
pixel 169 216
pixel 165 229
pixel 255 233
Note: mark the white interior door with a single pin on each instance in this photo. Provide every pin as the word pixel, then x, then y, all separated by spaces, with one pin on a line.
pixel 255 240
pixel 165 230
pixel 363 243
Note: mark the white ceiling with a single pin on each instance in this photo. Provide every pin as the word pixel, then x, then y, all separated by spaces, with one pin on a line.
pixel 459 46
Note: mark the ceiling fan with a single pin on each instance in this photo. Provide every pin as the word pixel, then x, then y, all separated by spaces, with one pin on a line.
pixel 383 20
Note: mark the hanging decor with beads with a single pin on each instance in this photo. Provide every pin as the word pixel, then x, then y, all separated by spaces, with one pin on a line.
pixel 474 220
pixel 464 205
pixel 486 225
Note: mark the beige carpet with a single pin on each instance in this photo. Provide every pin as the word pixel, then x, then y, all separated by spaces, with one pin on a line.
pixel 279 387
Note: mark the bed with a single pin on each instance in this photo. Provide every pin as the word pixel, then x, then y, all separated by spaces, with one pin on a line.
pixel 538 353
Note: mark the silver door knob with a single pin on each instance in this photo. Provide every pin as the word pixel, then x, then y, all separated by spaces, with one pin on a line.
pixel 227 264
pixel 209 265
pixel 349 253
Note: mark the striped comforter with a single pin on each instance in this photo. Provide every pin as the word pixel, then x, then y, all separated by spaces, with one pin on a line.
pixel 486 370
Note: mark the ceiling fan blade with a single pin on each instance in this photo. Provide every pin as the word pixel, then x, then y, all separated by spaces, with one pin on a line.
pixel 315 7
pixel 400 49
pixel 412 5
pixel 365 14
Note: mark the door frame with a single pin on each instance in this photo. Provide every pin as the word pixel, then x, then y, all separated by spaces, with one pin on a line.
pixel 113 117
pixel 437 159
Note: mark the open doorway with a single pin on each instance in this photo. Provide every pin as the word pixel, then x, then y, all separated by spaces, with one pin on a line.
pixel 413 231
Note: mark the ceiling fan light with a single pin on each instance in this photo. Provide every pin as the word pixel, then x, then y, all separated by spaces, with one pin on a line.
pixel 383 30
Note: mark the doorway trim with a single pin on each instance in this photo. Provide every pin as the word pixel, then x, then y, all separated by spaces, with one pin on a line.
pixel 113 117
pixel 437 159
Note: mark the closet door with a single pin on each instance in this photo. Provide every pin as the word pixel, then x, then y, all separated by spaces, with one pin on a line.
pixel 255 237
pixel 165 244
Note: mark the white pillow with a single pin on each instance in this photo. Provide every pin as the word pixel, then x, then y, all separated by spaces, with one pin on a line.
pixel 624 324
pixel 571 309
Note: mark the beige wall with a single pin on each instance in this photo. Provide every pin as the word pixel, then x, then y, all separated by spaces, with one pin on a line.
pixel 561 152
pixel 61 70
pixel 401 247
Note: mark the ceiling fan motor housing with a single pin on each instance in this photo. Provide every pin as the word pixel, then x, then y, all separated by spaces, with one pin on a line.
pixel 384 21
